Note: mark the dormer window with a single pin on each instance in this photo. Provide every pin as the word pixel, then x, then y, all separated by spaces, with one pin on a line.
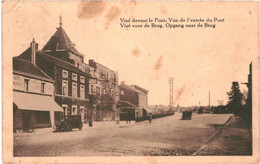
pixel 91 71
pixel 74 77
pixel 64 74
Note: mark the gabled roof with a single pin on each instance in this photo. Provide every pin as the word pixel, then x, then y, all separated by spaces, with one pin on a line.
pixel 25 67
pixel 126 104
pixel 61 41
pixel 62 63
pixel 103 69
pixel 139 88
pixel 132 88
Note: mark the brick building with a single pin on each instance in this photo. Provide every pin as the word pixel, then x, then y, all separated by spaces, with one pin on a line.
pixel 79 88
pixel 133 101
pixel 33 100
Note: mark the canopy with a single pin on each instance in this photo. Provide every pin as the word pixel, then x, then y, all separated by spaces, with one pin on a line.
pixel 28 101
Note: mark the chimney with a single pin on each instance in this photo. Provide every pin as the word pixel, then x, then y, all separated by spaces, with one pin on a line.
pixel 122 82
pixel 34 48
pixel 91 62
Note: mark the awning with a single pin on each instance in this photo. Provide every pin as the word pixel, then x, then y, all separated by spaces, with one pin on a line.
pixel 27 101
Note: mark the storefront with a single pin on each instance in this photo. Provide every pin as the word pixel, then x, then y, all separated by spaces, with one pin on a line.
pixel 34 111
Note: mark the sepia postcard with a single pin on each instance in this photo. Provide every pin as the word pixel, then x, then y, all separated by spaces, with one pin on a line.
pixel 130 82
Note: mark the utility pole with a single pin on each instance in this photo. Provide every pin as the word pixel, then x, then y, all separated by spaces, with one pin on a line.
pixel 209 98
pixel 171 92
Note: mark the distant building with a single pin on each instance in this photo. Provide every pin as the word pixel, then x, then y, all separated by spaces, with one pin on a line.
pixel 133 101
pixel 33 101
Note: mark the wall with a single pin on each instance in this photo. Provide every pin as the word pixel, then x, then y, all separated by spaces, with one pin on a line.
pixel 34 85
pixel 129 95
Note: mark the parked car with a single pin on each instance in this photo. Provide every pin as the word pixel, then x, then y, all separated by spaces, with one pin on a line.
pixel 69 123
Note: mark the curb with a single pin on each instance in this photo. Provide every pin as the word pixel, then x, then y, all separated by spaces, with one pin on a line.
pixel 211 138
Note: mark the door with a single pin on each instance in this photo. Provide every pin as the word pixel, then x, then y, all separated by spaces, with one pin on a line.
pixel 82 112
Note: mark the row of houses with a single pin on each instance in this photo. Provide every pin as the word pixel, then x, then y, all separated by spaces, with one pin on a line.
pixel 55 82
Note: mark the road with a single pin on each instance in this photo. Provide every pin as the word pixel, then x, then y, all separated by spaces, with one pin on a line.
pixel 164 136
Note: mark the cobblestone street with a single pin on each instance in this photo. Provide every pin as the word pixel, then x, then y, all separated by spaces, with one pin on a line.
pixel 165 136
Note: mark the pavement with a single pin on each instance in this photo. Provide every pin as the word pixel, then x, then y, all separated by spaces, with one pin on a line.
pixel 164 136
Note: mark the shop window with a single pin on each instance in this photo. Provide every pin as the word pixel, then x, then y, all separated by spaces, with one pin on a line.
pixel 42 87
pixel 82 79
pixel 42 117
pixel 64 74
pixel 74 89
pixel 74 76
pixel 26 84
pixel 82 91
pixel 64 87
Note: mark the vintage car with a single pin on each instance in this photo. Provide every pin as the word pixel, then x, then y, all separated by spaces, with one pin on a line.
pixel 69 123
pixel 186 115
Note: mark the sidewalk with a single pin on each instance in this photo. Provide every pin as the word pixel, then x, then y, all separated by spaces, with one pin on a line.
pixel 234 139
pixel 102 124
pixel 99 124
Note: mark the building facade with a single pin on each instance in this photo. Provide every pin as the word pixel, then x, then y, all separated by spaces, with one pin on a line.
pixel 133 101
pixel 106 91
pixel 79 88
pixel 33 100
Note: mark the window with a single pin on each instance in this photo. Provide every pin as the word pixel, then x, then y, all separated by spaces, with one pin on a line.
pixel 64 74
pixel 26 84
pixel 82 79
pixel 122 92
pixel 98 90
pixel 91 88
pixel 42 87
pixel 112 92
pixel 82 91
pixel 74 110
pixel 82 112
pixel 74 89
pixel 74 76
pixel 64 87
pixel 65 109
pixel 91 71
pixel 104 91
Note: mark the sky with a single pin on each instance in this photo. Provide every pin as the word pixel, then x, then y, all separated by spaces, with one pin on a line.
pixel 199 59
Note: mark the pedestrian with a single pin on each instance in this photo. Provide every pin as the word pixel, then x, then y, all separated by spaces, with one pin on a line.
pixel 150 118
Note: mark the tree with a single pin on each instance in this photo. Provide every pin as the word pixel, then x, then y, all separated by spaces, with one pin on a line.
pixel 235 99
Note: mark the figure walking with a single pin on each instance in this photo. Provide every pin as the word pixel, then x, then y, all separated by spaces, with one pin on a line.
pixel 150 118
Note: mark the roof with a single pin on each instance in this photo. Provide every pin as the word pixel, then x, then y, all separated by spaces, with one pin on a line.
pixel 126 104
pixel 62 63
pixel 133 89
pixel 61 41
pixel 26 68
pixel 103 69
pixel 140 89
